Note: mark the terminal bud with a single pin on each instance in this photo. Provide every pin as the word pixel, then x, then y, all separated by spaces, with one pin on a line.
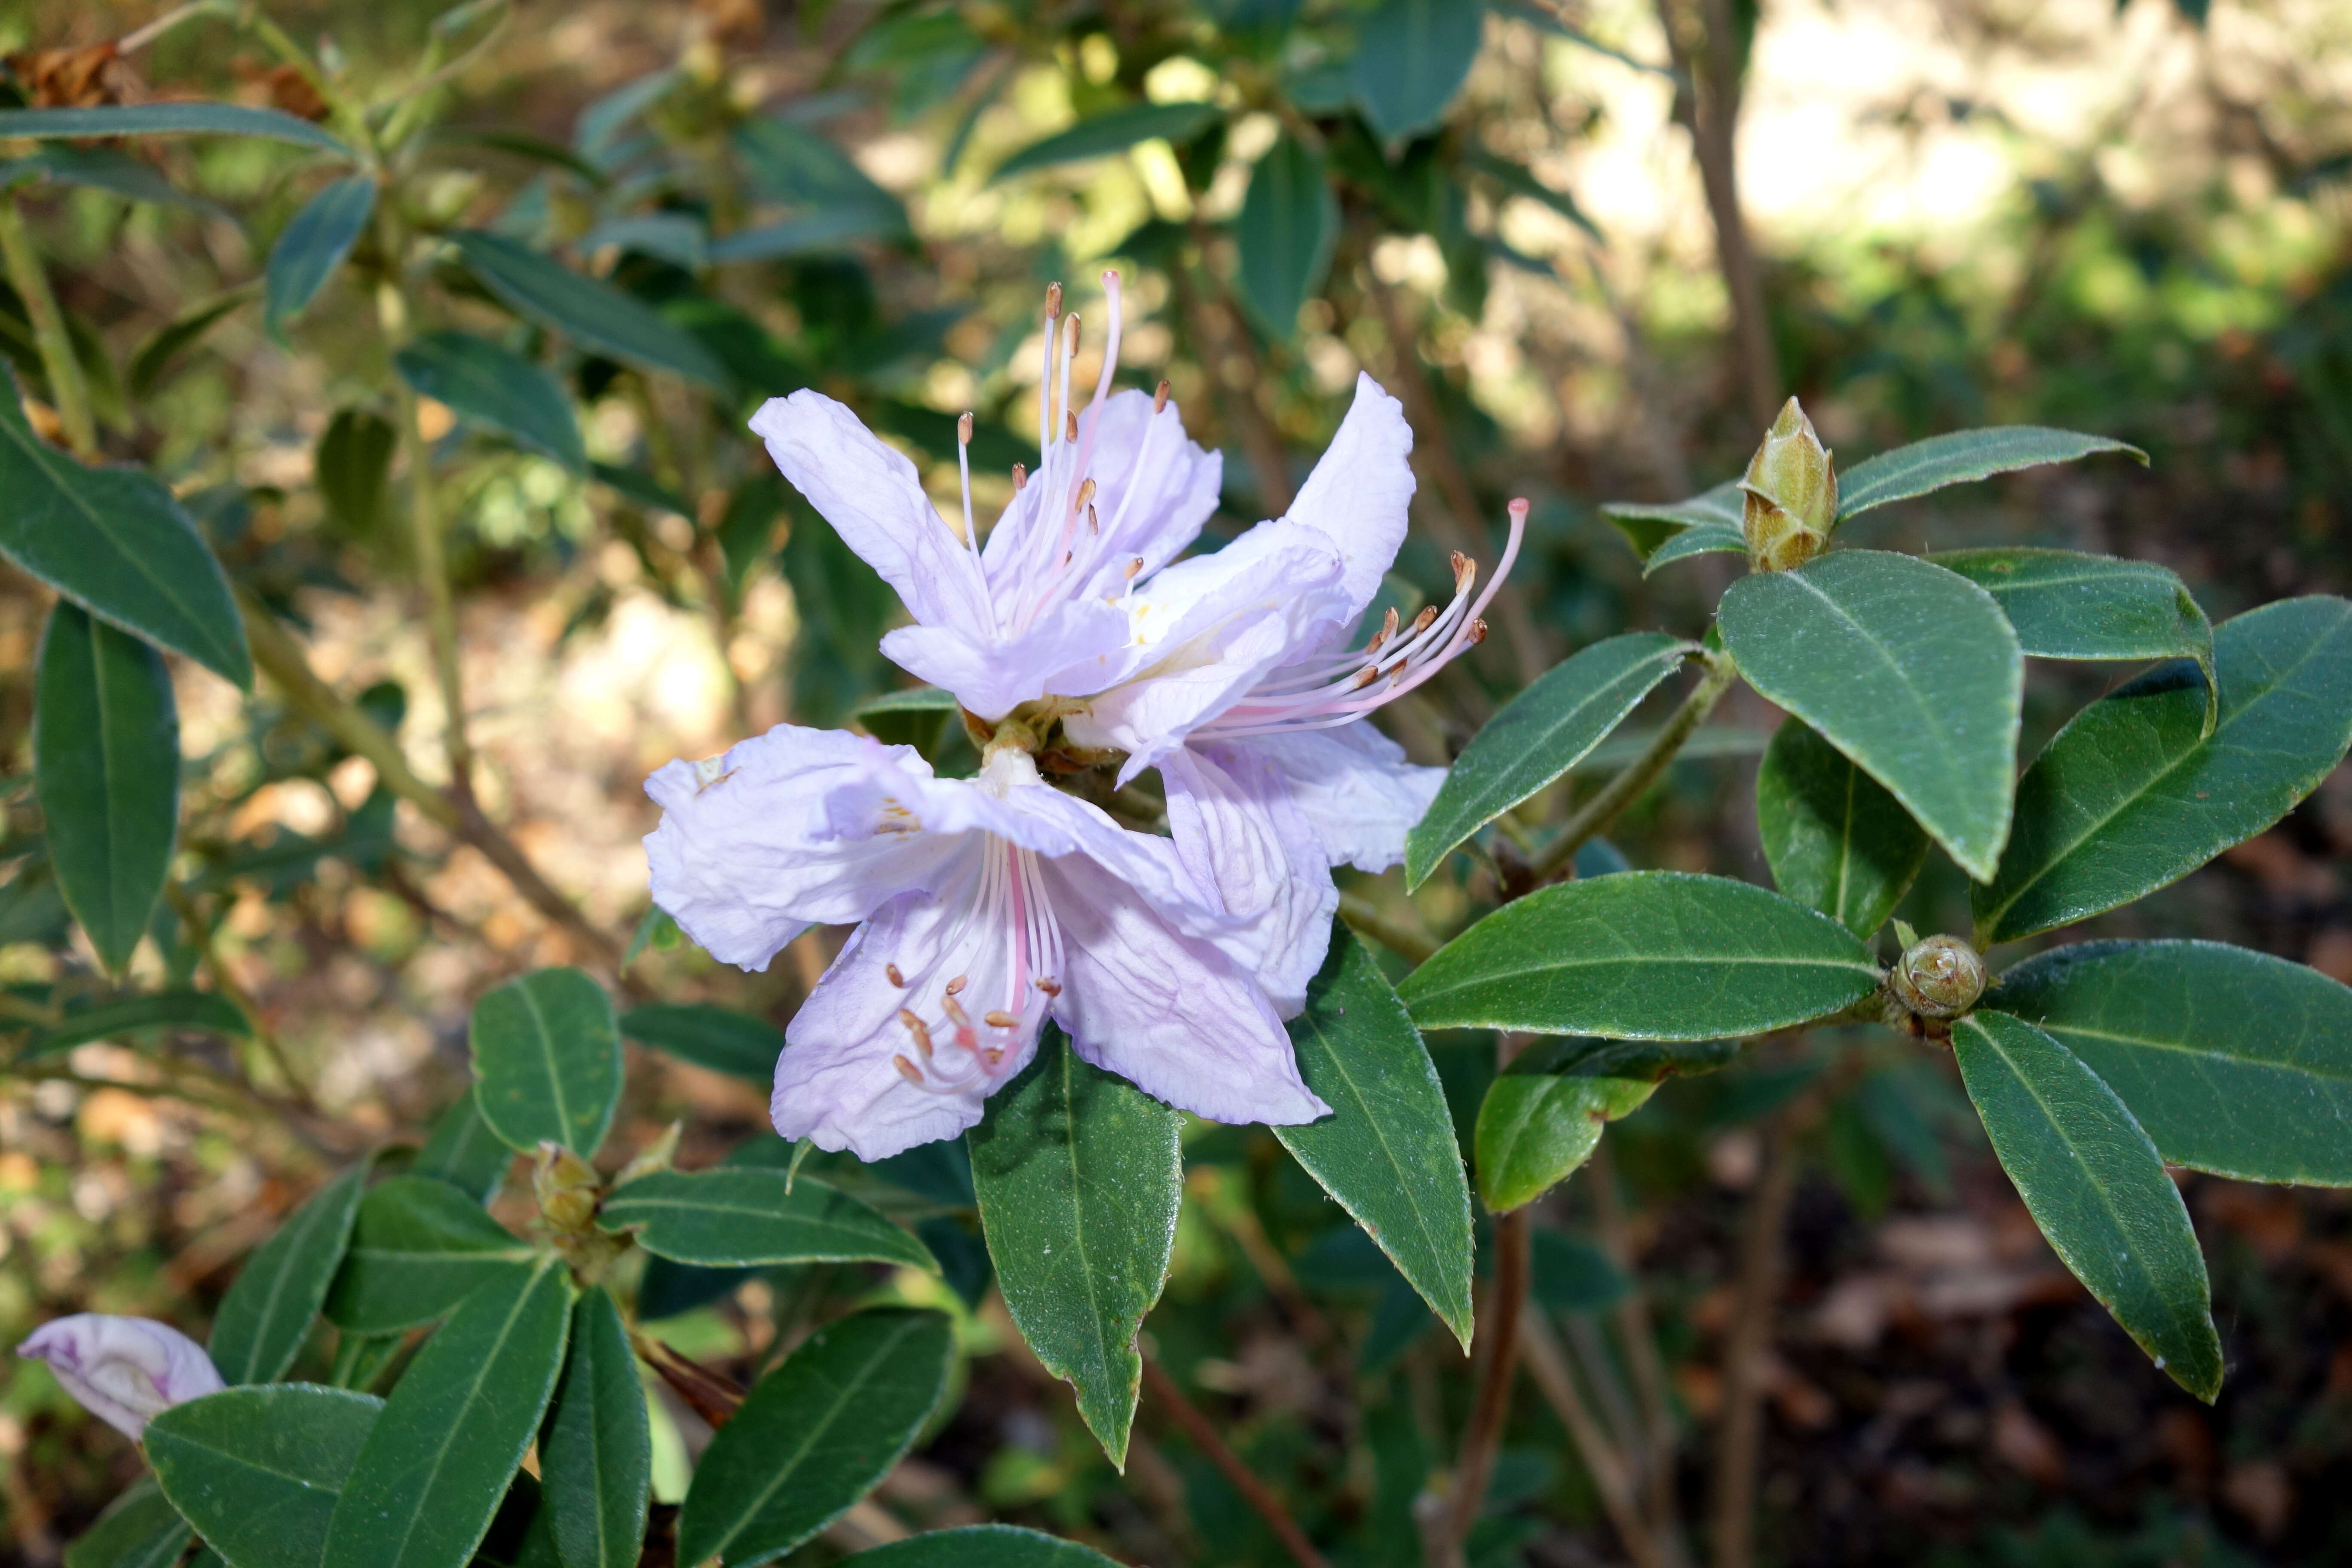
pixel 566 1187
pixel 1936 980
pixel 1792 494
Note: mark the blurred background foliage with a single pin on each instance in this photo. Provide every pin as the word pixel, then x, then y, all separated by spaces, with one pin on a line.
pixel 1591 246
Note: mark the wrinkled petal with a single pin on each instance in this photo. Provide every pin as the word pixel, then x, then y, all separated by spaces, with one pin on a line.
pixel 1169 1013
pixel 1353 785
pixel 990 676
pixel 871 495
pixel 124 1370
pixel 1238 829
pixel 1360 490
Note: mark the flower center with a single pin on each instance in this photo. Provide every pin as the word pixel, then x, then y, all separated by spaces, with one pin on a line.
pixel 1008 937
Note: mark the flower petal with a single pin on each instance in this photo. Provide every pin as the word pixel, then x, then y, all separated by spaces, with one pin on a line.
pixel 1353 784
pixel 872 496
pixel 1360 490
pixel 1239 831
pixel 990 676
pixel 124 1370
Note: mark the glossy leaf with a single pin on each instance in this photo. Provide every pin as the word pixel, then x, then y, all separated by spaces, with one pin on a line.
pixel 2236 1062
pixel 2096 1185
pixel 983 1546
pixel 2132 793
pixel 313 245
pixel 1113 131
pixel 1535 1129
pixel 139 1530
pixel 462 1150
pixel 1911 670
pixel 1962 457
pixel 1411 57
pixel 718 1039
pixel 487 384
pixel 1078 1176
pixel 815 1434
pixel 590 312
pixel 1289 220
pixel 1646 525
pixel 268 1312
pixel 418 1247
pixel 595 1457
pixel 106 764
pixel 166 120
pixel 1538 736
pixel 115 541
pixel 127 1015
pixel 738 1217
pixel 1386 1153
pixel 547 1058
pixel 1652 955
pixel 1835 839
pixel 258 1470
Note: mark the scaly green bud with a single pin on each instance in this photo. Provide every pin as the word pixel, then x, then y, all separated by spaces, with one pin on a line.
pixel 565 1185
pixel 1936 980
pixel 656 1155
pixel 1792 495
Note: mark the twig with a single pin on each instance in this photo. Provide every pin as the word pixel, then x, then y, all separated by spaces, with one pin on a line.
pixel 1612 1476
pixel 1641 1348
pixel 1398 936
pixel 1497 1345
pixel 31 281
pixel 1204 1436
pixel 1631 784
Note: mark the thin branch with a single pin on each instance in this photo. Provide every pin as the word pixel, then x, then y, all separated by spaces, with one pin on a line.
pixel 1204 1436
pixel 1391 931
pixel 1634 783
pixel 31 281
pixel 1497 1345
pixel 1612 1476
pixel 1641 1349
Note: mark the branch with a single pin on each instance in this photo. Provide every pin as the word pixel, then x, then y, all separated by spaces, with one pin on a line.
pixel 1640 1344
pixel 1204 1436
pixel 31 281
pixel 1497 1339
pixel 1612 1476
pixel 1634 783
pixel 1396 934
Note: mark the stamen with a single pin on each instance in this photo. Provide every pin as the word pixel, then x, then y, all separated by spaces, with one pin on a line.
pixel 895 978
pixel 1019 477
pixel 1424 621
pixel 909 1071
pixel 1073 433
pixel 1085 493
pixel 920 1030
pixel 963 477
pixel 1051 987
pixel 1094 523
pixel 997 1018
pixel 1159 399
pixel 1134 565
pixel 955 986
pixel 955 1012
pixel 1478 632
pixel 1388 630
pixel 1053 301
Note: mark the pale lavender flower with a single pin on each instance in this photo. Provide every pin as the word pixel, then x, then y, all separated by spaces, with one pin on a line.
pixel 123 1371
pixel 989 905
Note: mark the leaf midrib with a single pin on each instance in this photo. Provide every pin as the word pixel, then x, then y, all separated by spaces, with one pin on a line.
pixel 297 1235
pixel 2050 1026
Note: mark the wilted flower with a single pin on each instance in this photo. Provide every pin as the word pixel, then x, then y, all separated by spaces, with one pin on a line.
pixel 124 1370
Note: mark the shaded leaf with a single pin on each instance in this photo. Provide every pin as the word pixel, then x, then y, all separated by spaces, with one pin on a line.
pixel 268 1312
pixel 313 245
pixel 462 1150
pixel 1646 525
pixel 1536 1129
pixel 982 1546
pixel 352 470
pixel 1113 131
pixel 1835 839
pixel 139 1530
pixel 547 1058
pixel 1702 539
pixel 418 1247
pixel 127 1014
pixel 737 1218
pixel 596 1457
pixel 487 384
pixel 1288 221
pixel 592 312
pixel 1411 57
pixel 258 1470
pixel 1571 1275
pixel 156 355
pixel 718 1039
pixel 167 119
pixel 1962 457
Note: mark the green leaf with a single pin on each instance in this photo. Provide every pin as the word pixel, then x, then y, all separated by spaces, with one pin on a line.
pixel 1411 57
pixel 547 1055
pixel 592 312
pixel 1911 670
pixel 1521 182
pixel 2069 606
pixel 1959 457
pixel 258 1470
pixel 1571 1275
pixel 462 1150
pixel 418 1248
pixel 1078 1176
pixel 312 245
pixel 1647 525
pixel 1649 955
pixel 127 1014
pixel 168 120
pixel 352 471
pixel 1386 1152
pixel 267 1313
pixel 103 169
pixel 718 1039
pixel 1538 736
pixel 1113 131
pixel 735 1218
pixel 595 1457
pixel 2096 1185
pixel 487 384
pixel 432 1474
pixel 982 1546
pixel 794 165
pixel 2236 1062
pixel 114 542
pixel 1288 221
pixel 1706 538
pixel 1536 1127
pixel 155 356
pixel 139 1530
pixel 815 1434
pixel 1834 838
pixel 106 763
pixel 2132 793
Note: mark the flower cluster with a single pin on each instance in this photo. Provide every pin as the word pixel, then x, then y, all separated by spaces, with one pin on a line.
pixel 1079 637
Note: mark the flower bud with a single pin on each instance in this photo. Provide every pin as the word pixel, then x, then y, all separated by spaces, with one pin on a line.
pixel 123 1371
pixel 1791 491
pixel 565 1185
pixel 1938 979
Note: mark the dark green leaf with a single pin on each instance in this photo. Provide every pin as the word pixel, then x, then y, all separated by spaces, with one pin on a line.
pixel 115 541
pixel 418 1248
pixel 641 489
pixel 794 165
pixel 522 1532
pixel 128 1015
pixel 1411 57
pixel 815 233
pixel 1647 525
pixel 1536 1129
pixel 462 1150
pixel 592 312
pixel 1113 131
pixel 1959 457
pixel 595 1458
pixel 982 1546
pixel 1078 1176
pixel 547 1055
pixel 733 1217
pixel 267 1313
pixel 156 355
pixel 1288 221
pixel 2133 794
pixel 139 1530
pixel 2096 1187
pixel 2236 1062
pixel 257 1470
pixel 352 470
pixel 103 169
pixel 106 761
pixel 167 119
pixel 815 1434
pixel 312 245
pixel 487 384
pixel 432 1474
pixel 1835 839
pixel 1571 1275
pixel 718 1039
pixel 1538 736
pixel 1386 1152
pixel 1702 539
pixel 1652 955
pixel 1911 670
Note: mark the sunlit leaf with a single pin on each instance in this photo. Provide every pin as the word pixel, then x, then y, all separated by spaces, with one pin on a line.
pixel 487 384
pixel 1411 57
pixel 547 1055
pixel 1113 131
pixel 728 1217
pixel 418 1247
pixel 983 1546
pixel 1959 457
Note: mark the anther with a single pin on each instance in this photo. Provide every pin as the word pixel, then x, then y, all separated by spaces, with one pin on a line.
pixel 955 986
pixel 1071 415
pixel 1134 565
pixel 964 429
pixel 1365 677
pixel 1000 1019
pixel 1465 574
pixel 1159 399
pixel 1053 301
pixel 907 1070
pixel 1050 986
pixel 895 978
pixel 1424 621
pixel 1019 477
pixel 1085 493
pixel 1478 631
pixel 918 1029
pixel 1457 559
pixel 1388 630
pixel 1094 523
pixel 1393 671
pixel 955 1012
